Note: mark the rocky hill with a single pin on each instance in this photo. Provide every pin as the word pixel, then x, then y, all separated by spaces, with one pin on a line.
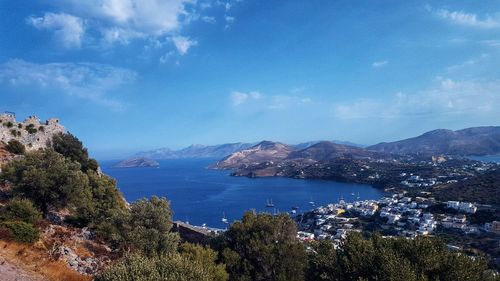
pixel 470 141
pixel 31 132
pixel 265 151
pixel 195 151
pixel 327 150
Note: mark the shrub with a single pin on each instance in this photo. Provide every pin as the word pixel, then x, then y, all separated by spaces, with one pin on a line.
pixel 21 231
pixel 16 147
pixel 8 124
pixel 48 179
pixel 264 247
pixel 171 267
pixel 21 210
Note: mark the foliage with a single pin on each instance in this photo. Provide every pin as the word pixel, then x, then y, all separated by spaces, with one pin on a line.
pixel 72 148
pixel 48 179
pixel 21 231
pixel 264 247
pixel 16 147
pixel 380 258
pixel 187 266
pixel 145 228
pixel 21 210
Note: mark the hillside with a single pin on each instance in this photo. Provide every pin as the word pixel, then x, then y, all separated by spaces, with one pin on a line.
pixel 470 141
pixel 327 150
pixel 31 132
pixel 265 151
pixel 484 189
pixel 195 151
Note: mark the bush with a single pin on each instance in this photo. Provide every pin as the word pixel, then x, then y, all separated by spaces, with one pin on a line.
pixel 48 179
pixel 16 147
pixel 21 210
pixel 171 267
pixel 264 247
pixel 21 231
pixel 8 124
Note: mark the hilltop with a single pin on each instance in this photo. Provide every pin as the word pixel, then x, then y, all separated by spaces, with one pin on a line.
pixel 470 141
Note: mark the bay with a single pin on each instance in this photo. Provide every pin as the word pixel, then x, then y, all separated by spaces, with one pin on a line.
pixel 203 196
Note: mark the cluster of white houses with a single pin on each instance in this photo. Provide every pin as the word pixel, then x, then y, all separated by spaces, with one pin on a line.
pixel 404 216
pixel 465 207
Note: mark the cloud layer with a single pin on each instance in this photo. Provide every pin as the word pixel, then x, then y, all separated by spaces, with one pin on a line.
pixel 85 80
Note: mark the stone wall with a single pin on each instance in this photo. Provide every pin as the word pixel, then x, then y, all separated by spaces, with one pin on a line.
pixel 31 132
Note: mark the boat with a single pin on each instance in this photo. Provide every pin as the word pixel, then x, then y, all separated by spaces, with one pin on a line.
pixel 295 207
pixel 270 203
pixel 224 219
pixel 358 196
pixel 312 203
pixel 293 212
pixel 353 194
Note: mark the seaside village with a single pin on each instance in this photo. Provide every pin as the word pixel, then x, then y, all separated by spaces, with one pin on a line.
pixel 397 215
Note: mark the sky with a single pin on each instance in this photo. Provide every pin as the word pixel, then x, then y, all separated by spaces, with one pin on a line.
pixel 132 75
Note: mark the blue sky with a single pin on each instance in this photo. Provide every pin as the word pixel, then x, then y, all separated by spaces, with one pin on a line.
pixel 126 75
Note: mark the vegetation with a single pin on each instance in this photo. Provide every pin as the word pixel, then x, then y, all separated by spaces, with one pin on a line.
pixel 31 129
pixel 69 146
pixel 264 247
pixel 194 263
pixel 20 231
pixel 16 147
pixel 48 179
pixel 380 258
pixel 20 210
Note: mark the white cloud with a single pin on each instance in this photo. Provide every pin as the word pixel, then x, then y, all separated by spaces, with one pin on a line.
pixel 446 97
pixel 208 19
pixel 183 44
pixel 467 19
pixel 85 80
pixel 379 63
pixel 68 29
pixel 229 19
pixel 239 98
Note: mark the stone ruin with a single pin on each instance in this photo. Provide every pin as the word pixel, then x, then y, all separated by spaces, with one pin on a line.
pixel 31 132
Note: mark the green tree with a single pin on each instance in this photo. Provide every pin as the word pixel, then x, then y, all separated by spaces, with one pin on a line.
pixel 48 179
pixel 150 223
pixel 19 209
pixel 71 147
pixel 323 264
pixel 16 147
pixel 264 247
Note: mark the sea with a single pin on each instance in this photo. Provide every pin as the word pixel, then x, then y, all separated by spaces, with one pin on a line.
pixel 203 196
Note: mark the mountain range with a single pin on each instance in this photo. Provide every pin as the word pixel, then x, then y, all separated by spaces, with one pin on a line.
pixel 471 141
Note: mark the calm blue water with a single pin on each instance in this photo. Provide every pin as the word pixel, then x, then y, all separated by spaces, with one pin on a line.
pixel 200 195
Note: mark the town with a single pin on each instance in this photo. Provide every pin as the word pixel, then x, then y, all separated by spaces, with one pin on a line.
pixel 403 215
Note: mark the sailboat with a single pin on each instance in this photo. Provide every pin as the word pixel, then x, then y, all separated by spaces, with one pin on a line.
pixel 224 219
pixel 312 202
pixel 269 203
pixel 358 196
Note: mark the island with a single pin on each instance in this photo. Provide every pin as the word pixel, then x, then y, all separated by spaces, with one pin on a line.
pixel 137 162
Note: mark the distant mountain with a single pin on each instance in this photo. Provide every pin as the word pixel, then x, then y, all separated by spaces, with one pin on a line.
pixel 470 141
pixel 264 151
pixel 137 162
pixel 327 150
pixel 195 151
pixel 274 152
pixel 311 143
